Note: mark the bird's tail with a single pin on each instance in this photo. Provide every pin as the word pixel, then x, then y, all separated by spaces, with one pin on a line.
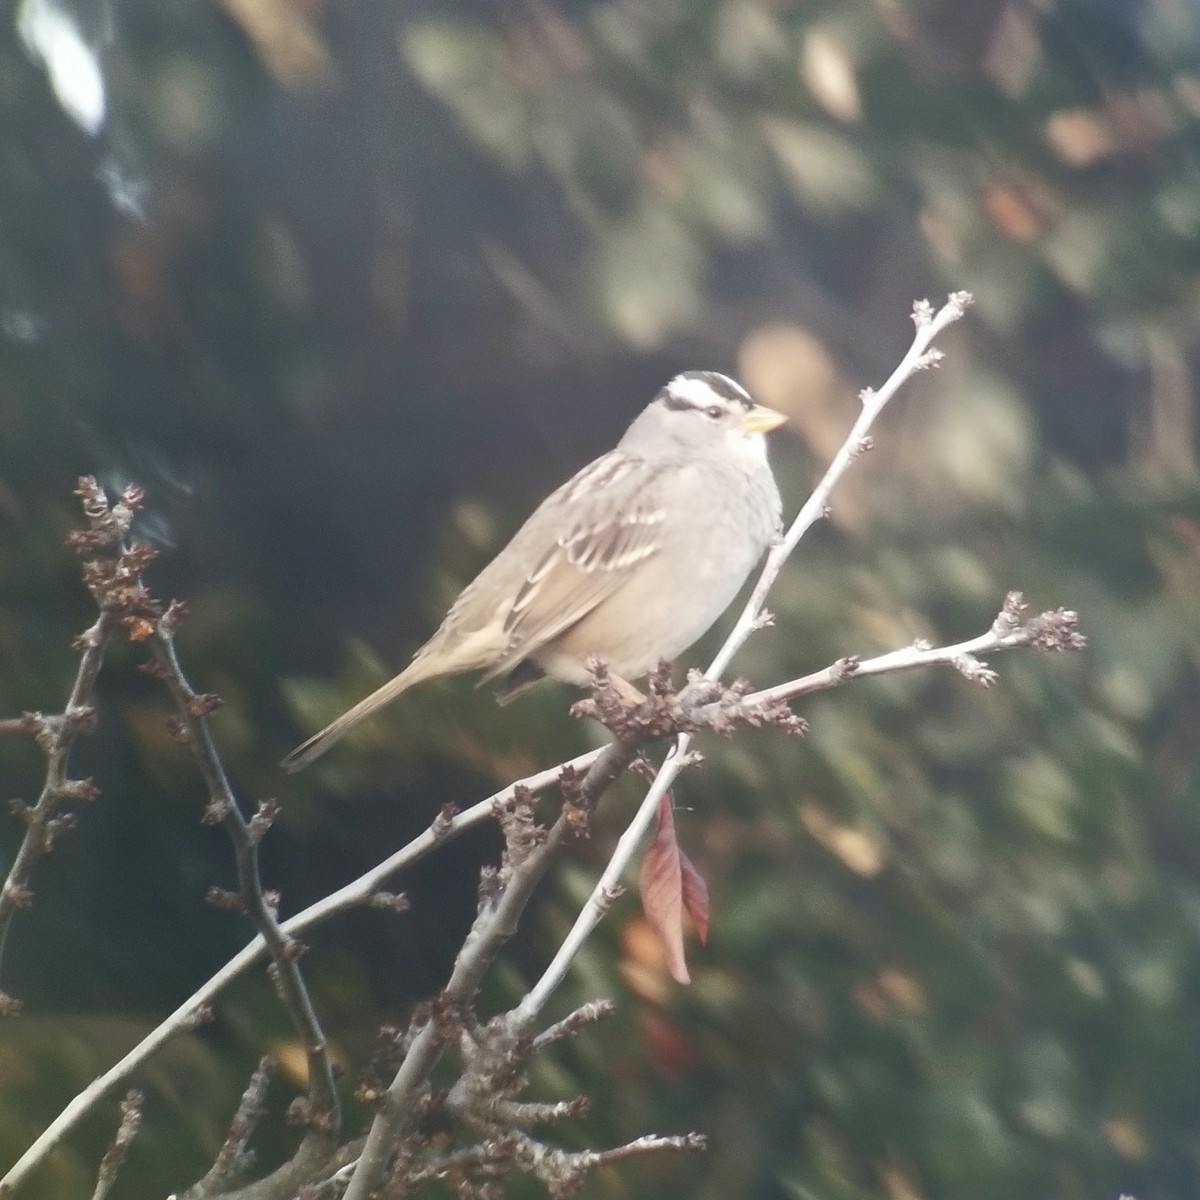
pixel 416 672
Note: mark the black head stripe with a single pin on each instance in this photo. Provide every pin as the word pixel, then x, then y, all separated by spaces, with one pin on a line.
pixel 687 391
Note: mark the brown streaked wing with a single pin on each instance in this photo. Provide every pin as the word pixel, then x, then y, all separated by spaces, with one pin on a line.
pixel 617 515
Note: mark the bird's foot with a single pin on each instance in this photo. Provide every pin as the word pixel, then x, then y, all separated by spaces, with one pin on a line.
pixel 630 696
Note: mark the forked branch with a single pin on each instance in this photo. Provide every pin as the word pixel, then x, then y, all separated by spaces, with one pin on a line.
pixel 487 1101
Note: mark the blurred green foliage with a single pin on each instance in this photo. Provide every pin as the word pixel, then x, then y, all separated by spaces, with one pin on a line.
pixel 349 287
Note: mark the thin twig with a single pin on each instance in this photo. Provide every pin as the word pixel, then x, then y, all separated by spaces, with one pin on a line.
pixel 570 1025
pixel 56 736
pixel 446 827
pixel 1048 631
pixel 324 1117
pixel 114 579
pixel 114 1157
pixel 562 1171
pixel 648 1144
pixel 486 1101
pixel 487 935
pixel 233 1159
pixel 919 356
pixel 498 917
pixel 109 580
pixel 495 924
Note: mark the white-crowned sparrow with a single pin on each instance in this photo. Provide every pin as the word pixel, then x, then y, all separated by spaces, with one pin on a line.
pixel 631 560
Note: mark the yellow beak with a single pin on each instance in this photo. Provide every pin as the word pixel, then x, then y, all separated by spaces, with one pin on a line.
pixel 761 419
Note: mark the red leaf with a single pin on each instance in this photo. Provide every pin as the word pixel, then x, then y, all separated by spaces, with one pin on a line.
pixel 670 886
pixel 695 896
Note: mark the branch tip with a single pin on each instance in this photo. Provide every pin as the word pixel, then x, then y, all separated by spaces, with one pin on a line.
pixel 263 819
pixel 443 823
pixel 764 620
pixel 1057 631
pixel 225 900
pixel 393 902
pixel 971 668
pixel 922 313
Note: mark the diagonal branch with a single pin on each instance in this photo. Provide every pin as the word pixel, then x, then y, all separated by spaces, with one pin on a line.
pixel 920 355
pixel 113 577
pixel 324 1115
pixel 583 781
pixel 491 928
pixel 495 924
pixel 447 825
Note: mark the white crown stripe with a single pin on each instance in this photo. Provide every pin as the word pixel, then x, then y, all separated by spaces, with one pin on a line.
pixel 702 389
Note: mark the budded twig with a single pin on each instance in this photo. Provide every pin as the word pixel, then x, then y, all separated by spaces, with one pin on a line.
pixel 114 1157
pixel 110 577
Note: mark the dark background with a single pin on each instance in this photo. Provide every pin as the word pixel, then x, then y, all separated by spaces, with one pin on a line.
pixel 349 287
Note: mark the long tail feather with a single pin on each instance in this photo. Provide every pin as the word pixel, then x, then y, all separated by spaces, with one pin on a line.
pixel 307 752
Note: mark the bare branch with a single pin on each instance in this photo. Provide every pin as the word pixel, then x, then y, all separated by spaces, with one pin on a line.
pixel 193 708
pixel 114 580
pixel 648 1144
pixel 487 1101
pixel 495 924
pixel 929 325
pixel 1050 631
pixel 109 578
pixel 569 1026
pixel 233 1160
pixel 393 1156
pixel 114 1157
pixel 446 826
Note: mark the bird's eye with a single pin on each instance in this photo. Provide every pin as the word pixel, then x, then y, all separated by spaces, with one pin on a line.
pixel 715 411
